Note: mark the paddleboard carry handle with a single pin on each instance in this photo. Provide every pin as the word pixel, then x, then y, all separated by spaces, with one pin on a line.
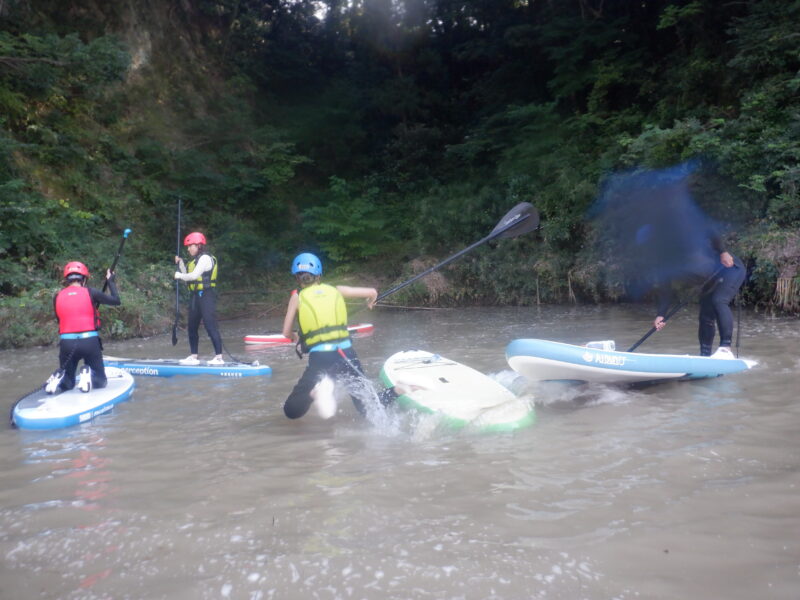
pixel 607 345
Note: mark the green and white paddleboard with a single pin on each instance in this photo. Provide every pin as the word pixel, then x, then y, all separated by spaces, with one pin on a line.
pixel 431 383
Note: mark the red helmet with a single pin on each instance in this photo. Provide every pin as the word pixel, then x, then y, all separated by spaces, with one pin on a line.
pixel 75 268
pixel 194 238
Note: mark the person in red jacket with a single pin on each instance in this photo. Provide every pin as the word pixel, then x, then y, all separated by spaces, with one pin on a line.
pixel 78 324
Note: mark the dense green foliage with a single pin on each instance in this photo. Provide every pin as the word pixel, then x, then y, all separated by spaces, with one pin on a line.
pixel 380 131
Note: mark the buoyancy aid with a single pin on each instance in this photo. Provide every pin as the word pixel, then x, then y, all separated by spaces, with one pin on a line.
pixel 322 315
pixel 209 278
pixel 75 310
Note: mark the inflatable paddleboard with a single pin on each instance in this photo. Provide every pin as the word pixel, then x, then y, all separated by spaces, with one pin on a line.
pixel 543 360
pixel 277 338
pixel 39 410
pixel 167 367
pixel 463 396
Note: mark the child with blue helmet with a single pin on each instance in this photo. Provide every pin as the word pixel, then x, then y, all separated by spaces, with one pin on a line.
pixel 322 318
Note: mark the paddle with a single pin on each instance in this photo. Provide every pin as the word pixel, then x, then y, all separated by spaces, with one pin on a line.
pixel 519 220
pixel 177 286
pixel 125 235
pixel 675 309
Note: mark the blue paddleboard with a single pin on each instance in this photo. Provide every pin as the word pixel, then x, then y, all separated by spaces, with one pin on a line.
pixel 167 367
pixel 544 360
pixel 40 410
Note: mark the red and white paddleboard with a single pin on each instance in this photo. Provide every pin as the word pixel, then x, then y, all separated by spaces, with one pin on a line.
pixel 277 338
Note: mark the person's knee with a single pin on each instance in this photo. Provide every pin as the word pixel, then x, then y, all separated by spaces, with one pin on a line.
pixel 294 409
pixel 292 413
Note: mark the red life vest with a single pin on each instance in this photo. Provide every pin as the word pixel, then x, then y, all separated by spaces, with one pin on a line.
pixel 75 311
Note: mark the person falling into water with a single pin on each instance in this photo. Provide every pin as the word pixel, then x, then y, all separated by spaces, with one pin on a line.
pixel 322 317
pixel 75 307
pixel 202 281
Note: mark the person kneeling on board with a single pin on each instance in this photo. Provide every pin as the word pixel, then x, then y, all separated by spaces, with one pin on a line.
pixel 202 281
pixel 322 317
pixel 78 324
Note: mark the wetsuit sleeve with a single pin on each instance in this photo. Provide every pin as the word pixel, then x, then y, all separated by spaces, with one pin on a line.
pixel 112 299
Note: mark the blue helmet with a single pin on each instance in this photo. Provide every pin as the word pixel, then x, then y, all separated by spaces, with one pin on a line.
pixel 306 263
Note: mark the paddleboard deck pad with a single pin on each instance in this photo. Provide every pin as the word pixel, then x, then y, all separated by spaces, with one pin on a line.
pixel 544 360
pixel 167 367
pixel 275 339
pixel 40 410
pixel 431 383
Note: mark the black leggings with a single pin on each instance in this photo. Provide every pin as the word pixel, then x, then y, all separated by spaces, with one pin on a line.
pixel 715 310
pixel 320 364
pixel 203 307
pixel 70 352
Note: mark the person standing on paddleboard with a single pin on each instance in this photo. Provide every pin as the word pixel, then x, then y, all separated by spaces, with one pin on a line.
pixel 201 275
pixel 75 307
pixel 322 317
pixel 720 275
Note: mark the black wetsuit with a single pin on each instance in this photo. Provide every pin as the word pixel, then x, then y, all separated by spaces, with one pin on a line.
pixel 90 349
pixel 203 307
pixel 320 364
pixel 720 286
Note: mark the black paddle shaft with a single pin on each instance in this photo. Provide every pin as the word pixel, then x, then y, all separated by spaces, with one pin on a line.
pixel 520 219
pixel 653 329
pixel 677 307
pixel 177 283
pixel 125 235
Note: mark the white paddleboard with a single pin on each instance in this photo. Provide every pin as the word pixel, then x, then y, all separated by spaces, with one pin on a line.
pixel 463 396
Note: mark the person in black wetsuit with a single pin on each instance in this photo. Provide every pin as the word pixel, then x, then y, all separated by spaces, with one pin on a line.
pixel 75 307
pixel 721 274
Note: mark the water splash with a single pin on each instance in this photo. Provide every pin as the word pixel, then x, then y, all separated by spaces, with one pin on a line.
pixel 382 418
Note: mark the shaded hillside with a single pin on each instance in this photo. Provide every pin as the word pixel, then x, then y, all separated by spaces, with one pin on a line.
pixel 380 132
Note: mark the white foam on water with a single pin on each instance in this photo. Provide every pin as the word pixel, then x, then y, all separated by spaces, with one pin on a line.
pixel 324 398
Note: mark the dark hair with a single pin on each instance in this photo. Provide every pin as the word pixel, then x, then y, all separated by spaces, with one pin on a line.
pixel 305 279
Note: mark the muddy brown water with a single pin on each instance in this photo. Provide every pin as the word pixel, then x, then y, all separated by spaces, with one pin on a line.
pixel 201 488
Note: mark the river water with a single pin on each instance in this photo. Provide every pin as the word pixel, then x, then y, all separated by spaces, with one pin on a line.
pixel 201 488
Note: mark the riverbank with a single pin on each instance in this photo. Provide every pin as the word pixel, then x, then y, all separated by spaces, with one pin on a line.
pixel 147 309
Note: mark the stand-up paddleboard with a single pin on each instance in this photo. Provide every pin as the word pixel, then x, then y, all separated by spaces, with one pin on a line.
pixel 463 396
pixel 40 410
pixel 276 338
pixel 167 367
pixel 543 360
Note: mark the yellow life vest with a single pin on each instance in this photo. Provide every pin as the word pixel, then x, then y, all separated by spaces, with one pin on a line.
pixel 209 279
pixel 322 315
